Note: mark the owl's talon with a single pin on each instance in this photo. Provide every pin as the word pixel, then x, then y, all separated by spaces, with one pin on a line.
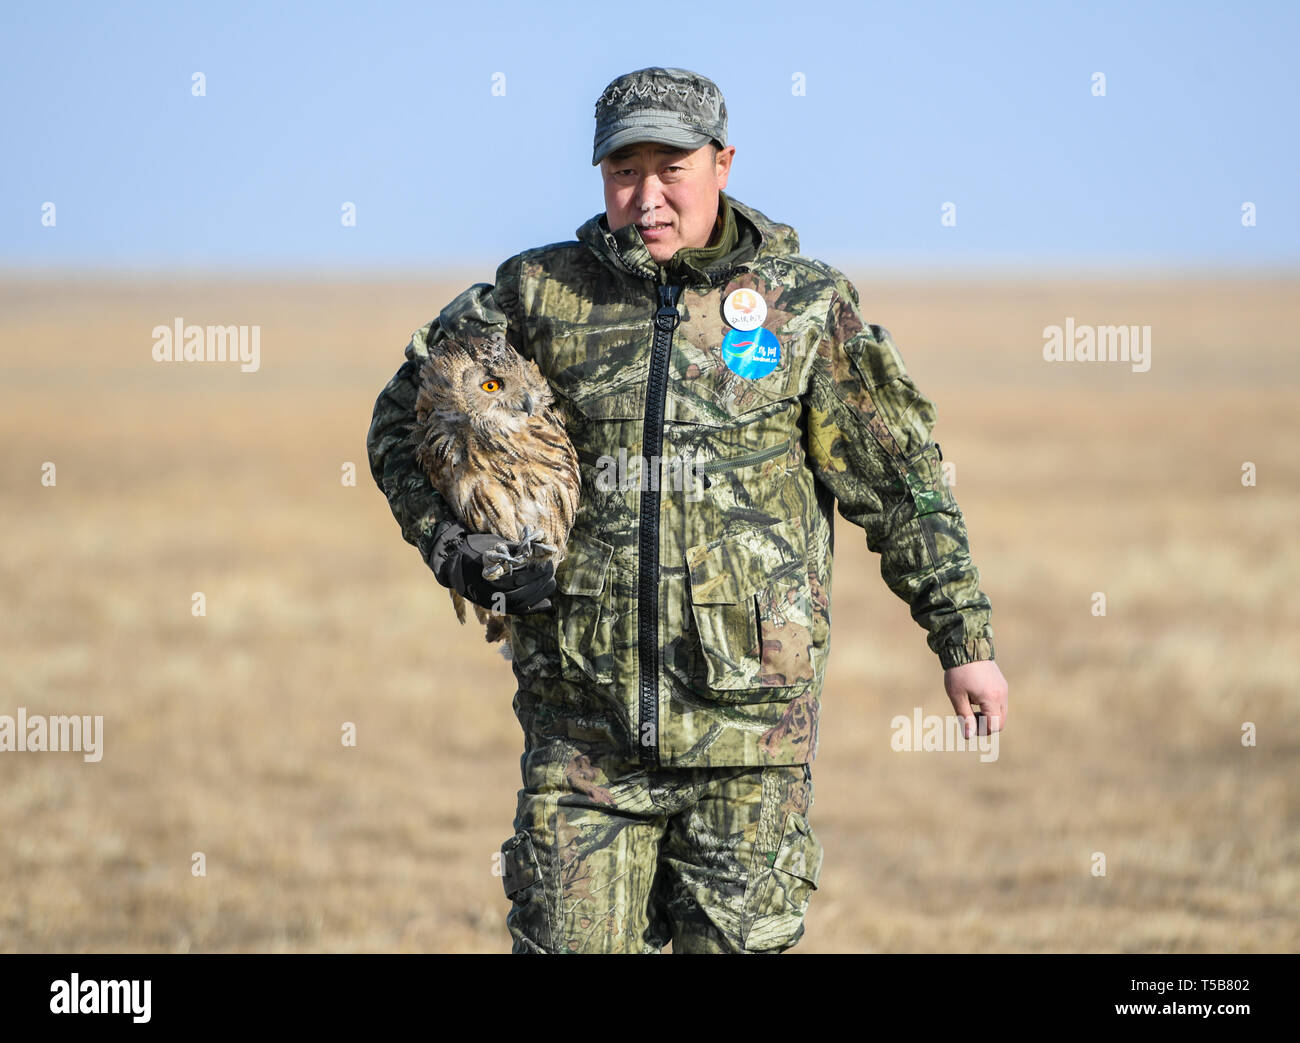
pixel 530 545
pixel 498 562
pixel 506 557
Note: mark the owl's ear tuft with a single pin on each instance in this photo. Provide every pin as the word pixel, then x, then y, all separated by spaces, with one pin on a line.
pixel 495 352
pixel 454 350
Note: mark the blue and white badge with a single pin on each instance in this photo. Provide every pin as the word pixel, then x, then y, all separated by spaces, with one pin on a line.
pixel 751 354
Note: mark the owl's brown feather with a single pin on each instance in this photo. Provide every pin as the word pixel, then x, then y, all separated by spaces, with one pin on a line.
pixel 493 443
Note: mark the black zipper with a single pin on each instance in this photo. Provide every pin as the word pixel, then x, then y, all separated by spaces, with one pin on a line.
pixel 652 440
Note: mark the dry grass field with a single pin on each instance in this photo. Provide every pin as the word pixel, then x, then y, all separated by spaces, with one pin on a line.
pixel 222 732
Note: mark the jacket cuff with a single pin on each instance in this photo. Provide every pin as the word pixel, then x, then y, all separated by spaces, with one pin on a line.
pixel 972 651
pixel 430 531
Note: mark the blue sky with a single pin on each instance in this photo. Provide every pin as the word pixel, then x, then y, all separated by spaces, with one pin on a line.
pixel 390 107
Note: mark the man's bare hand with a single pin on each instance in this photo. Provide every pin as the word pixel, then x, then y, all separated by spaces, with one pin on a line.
pixel 980 683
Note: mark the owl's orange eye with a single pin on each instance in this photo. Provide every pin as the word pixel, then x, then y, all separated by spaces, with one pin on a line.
pixel 490 385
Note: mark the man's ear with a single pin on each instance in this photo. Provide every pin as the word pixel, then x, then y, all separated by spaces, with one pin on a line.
pixel 722 167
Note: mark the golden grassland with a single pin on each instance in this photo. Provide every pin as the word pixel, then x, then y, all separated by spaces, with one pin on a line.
pixel 222 733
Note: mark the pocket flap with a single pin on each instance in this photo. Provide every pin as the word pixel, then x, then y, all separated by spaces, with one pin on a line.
pixel 800 853
pixel 924 476
pixel 519 870
pixel 728 570
pixel 739 395
pixel 599 369
pixel 586 560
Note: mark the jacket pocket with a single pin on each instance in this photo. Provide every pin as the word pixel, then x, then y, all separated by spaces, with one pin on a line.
pixel 738 396
pixel 778 894
pixel 599 370
pixel 583 616
pixel 752 608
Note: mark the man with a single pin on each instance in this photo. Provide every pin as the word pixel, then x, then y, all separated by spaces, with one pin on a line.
pixel 669 673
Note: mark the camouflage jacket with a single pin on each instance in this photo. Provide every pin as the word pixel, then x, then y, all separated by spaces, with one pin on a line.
pixel 691 624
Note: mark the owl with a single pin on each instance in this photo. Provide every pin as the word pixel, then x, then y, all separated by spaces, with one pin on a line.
pixel 492 441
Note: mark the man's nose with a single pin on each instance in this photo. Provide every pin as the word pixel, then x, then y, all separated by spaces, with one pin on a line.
pixel 649 194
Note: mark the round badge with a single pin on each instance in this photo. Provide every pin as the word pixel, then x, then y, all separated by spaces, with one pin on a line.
pixel 751 354
pixel 744 309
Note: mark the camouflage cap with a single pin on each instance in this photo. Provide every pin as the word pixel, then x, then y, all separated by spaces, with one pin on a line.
pixel 673 106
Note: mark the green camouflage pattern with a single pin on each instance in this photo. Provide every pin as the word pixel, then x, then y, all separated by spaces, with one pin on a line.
pixel 745 546
pixel 611 857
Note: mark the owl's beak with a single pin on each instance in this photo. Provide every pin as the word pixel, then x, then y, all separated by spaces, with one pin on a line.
pixel 529 404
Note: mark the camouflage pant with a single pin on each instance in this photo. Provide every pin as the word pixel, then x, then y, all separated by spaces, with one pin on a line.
pixel 608 856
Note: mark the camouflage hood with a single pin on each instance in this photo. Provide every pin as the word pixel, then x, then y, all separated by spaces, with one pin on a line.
pixel 624 251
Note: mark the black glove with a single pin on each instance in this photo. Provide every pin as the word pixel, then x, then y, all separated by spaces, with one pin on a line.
pixel 456 557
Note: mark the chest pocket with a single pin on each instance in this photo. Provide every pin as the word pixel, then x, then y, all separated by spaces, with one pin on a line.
pixel 752 608
pixel 600 370
pixel 718 396
pixel 739 395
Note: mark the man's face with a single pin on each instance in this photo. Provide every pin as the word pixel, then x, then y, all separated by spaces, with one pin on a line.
pixel 670 194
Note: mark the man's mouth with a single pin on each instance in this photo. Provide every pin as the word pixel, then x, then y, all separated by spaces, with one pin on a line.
pixel 657 224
